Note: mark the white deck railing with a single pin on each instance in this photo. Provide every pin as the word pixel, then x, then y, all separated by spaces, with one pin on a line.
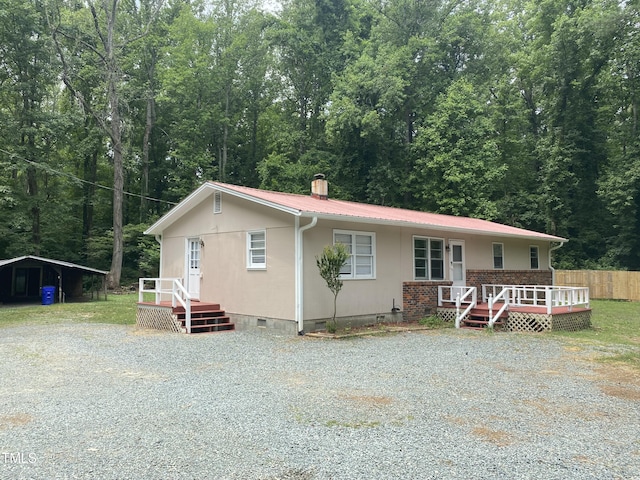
pixel 458 296
pixel 171 288
pixel 545 296
pixel 500 297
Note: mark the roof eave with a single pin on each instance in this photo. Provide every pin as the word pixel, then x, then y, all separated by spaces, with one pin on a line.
pixel 401 223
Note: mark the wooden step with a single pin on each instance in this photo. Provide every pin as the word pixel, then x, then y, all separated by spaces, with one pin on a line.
pixel 206 321
pixel 205 318
pixel 217 327
pixel 478 322
pixel 198 307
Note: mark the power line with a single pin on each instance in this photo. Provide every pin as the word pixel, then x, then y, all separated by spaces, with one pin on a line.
pixel 48 169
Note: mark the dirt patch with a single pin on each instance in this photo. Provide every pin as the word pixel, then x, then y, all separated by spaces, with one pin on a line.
pixel 619 381
pixel 7 421
pixel 497 437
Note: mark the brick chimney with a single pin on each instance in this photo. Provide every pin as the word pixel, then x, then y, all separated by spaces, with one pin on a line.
pixel 319 187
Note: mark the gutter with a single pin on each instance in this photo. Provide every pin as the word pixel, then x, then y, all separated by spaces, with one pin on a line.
pixel 158 238
pixel 553 270
pixel 299 280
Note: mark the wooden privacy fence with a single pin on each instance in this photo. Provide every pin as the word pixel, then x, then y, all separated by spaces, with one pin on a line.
pixel 614 285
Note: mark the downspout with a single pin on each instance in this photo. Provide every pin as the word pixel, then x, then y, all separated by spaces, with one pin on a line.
pixel 553 270
pixel 159 240
pixel 299 280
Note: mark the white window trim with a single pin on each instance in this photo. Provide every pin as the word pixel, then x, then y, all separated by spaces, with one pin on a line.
pixel 493 261
pixel 353 275
pixel 217 202
pixel 250 264
pixel 537 256
pixel 413 254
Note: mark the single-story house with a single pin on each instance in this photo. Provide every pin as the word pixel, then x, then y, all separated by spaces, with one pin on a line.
pixel 254 253
pixel 22 278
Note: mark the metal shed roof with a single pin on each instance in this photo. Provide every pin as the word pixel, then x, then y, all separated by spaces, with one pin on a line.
pixel 49 261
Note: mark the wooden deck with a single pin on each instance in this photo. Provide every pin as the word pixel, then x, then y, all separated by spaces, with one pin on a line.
pixel 527 318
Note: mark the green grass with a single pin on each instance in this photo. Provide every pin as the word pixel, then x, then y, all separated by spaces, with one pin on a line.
pixel 615 326
pixel 613 323
pixel 117 309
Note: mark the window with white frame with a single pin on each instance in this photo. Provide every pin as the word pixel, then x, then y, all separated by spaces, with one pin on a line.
pixel 534 257
pixel 362 253
pixel 498 256
pixel 257 249
pixel 428 258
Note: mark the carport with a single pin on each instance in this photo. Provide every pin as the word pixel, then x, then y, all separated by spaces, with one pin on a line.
pixel 22 279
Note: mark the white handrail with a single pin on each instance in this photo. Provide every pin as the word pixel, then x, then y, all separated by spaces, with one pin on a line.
pixel 178 294
pixel 504 296
pixel 460 299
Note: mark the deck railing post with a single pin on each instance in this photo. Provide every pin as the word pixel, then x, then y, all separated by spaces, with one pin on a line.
pixel 458 303
pixel 490 307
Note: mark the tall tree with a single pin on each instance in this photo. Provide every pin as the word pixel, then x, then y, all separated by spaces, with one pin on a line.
pixel 99 35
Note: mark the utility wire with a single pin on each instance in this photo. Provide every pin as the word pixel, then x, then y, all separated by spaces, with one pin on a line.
pixel 48 169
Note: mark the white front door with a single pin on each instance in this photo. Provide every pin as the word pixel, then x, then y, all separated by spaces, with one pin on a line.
pixel 457 270
pixel 192 275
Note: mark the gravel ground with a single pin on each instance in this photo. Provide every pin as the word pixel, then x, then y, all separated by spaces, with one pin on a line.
pixel 111 402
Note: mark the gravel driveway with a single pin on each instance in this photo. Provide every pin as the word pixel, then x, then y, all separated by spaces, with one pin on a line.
pixel 111 402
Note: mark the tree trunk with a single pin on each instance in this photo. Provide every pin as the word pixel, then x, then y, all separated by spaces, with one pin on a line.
pixel 145 156
pixel 225 137
pixel 113 77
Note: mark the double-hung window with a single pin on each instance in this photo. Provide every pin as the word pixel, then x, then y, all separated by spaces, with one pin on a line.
pixel 257 249
pixel 534 257
pixel 498 256
pixel 362 253
pixel 428 258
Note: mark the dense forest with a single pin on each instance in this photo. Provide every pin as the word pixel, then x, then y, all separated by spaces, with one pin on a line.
pixel 522 112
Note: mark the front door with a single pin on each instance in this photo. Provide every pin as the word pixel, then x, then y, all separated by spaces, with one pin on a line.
pixel 193 268
pixel 457 271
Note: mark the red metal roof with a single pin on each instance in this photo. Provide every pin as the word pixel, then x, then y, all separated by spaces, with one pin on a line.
pixel 306 205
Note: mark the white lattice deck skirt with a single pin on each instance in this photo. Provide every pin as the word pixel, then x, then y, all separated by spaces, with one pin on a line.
pixel 158 318
pixel 447 314
pixel 532 322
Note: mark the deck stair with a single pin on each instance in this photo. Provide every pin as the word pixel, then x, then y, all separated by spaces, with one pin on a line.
pixel 478 318
pixel 205 318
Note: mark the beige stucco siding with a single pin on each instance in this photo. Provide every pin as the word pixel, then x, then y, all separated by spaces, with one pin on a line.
pixel 478 251
pixel 225 276
pixel 358 297
pixel 394 265
pixel 270 292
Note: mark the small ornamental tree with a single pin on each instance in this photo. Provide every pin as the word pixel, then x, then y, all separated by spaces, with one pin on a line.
pixel 329 263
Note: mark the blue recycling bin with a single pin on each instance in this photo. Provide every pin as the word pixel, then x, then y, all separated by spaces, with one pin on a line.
pixel 48 295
